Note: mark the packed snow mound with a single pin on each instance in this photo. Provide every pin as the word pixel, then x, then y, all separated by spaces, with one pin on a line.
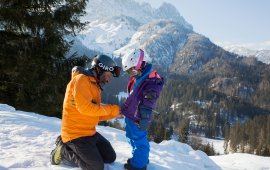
pixel 26 140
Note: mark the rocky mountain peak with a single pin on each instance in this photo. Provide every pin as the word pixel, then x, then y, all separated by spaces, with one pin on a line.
pixel 168 11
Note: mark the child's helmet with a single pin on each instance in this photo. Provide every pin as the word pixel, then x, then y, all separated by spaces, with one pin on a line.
pixel 133 59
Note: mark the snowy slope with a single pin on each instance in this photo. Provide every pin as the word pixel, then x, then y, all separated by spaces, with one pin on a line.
pixel 242 161
pixel 27 139
pixel 109 34
pixel 161 39
pixel 217 144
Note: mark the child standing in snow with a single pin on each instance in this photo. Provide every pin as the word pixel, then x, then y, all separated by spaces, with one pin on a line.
pixel 144 87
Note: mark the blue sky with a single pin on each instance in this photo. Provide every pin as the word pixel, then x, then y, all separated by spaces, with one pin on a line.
pixel 239 22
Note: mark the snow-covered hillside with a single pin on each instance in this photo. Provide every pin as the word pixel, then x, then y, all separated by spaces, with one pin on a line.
pixel 160 38
pixel 26 140
pixel 142 12
pixel 108 34
pixel 116 26
pixel 242 161
pixel 261 55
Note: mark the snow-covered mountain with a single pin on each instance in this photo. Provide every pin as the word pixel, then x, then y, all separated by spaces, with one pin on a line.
pixel 160 38
pixel 143 12
pixel 26 140
pixel 108 34
pixel 261 55
pixel 118 25
pixel 176 51
pixel 99 9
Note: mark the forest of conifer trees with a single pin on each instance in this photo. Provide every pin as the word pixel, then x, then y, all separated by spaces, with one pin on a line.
pixel 251 136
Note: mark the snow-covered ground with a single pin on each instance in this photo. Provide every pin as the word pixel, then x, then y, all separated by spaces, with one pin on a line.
pixel 26 140
pixel 241 161
pixel 217 144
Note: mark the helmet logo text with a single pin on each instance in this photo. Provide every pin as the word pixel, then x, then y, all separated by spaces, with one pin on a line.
pixel 104 67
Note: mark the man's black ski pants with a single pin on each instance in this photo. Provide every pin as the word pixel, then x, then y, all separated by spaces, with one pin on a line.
pixel 90 152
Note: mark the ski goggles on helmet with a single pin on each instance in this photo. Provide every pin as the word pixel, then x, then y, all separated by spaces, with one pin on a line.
pixel 116 71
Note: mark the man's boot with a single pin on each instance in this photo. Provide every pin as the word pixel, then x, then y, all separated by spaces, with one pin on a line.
pixel 56 156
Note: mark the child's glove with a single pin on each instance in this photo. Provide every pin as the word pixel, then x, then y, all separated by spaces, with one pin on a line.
pixel 144 124
pixel 145 118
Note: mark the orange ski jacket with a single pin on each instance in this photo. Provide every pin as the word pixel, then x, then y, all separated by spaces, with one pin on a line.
pixel 82 108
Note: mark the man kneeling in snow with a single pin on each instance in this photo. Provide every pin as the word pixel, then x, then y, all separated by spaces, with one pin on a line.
pixel 79 143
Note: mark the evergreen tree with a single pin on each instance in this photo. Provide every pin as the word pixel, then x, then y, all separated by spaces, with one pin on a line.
pixel 33 44
pixel 249 137
pixel 184 131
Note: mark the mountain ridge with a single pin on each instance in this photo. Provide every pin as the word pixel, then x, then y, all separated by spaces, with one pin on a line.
pixel 234 86
pixel 261 55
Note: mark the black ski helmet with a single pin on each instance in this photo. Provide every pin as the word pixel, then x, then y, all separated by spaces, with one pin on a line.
pixel 106 63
